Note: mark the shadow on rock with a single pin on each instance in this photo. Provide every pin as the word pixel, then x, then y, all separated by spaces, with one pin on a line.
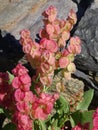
pixel 87 61
pixel 10 51
pixel 82 6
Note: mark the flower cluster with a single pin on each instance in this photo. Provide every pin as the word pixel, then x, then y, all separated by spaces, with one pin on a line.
pixel 6 91
pixel 50 53
pixel 43 105
pixel 23 98
pixel 20 100
pixel 95 120
pixel 28 106
pixel 22 80
pixel 58 30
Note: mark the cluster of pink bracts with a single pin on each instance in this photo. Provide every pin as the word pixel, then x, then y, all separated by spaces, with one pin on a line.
pixel 50 53
pixel 95 120
pixel 21 102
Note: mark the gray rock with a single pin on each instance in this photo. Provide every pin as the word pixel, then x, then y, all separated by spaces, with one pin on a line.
pixel 87 60
pixel 87 30
pixel 82 6
pixel 12 12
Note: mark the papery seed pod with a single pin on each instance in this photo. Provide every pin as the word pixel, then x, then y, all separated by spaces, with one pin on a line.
pixel 72 89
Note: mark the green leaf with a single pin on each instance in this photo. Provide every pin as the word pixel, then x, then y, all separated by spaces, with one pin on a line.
pixel 62 120
pixel 87 98
pixel 39 125
pixel 9 126
pixel 62 112
pixel 62 105
pixel 55 128
pixel 11 77
pixel 1 110
pixel 75 118
pixel 87 117
pixel 42 125
pixel 49 128
pixel 55 125
pixel 82 117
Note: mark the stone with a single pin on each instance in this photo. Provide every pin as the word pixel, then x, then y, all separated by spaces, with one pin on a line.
pixel 82 6
pixel 87 30
pixel 87 60
pixel 12 12
pixel 95 4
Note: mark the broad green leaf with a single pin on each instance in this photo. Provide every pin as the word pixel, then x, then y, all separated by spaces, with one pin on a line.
pixel 11 77
pixel 87 98
pixel 82 117
pixel 62 111
pixel 42 125
pixel 35 125
pixel 9 126
pixel 62 105
pixel 1 110
pixel 49 128
pixel 87 116
pixel 75 118
pixel 55 122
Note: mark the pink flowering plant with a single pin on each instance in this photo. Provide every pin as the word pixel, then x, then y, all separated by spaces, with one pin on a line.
pixel 30 102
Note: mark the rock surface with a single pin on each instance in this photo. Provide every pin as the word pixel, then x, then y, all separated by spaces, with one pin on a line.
pixel 87 30
pixel 12 12
pixel 87 61
pixel 95 4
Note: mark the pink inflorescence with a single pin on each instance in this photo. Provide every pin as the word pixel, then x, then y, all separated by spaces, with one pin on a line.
pixel 6 91
pixel 29 106
pixel 23 98
pixel 95 120
pixel 43 105
pixel 50 53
